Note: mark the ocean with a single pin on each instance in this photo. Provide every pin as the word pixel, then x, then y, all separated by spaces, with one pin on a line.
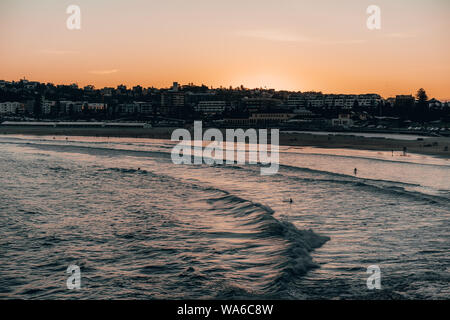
pixel 140 227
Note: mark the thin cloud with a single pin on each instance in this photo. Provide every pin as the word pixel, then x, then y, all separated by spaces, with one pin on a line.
pixel 277 36
pixel 399 35
pixel 57 52
pixel 272 35
pixel 325 42
pixel 103 72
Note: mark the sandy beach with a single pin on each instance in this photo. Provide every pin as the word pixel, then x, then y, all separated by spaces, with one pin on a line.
pixel 437 146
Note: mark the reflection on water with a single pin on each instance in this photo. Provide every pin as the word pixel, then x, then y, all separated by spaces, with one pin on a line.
pixel 168 231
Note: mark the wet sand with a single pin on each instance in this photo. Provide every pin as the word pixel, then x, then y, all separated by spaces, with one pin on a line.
pixel 438 146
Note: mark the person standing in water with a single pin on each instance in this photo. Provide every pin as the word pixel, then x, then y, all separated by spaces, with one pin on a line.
pixel 355 171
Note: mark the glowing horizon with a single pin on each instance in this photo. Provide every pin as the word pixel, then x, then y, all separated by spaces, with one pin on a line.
pixel 294 45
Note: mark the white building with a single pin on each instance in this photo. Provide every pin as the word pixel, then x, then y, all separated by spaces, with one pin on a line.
pixel 11 107
pixel 329 100
pixel 350 101
pixel 144 107
pixel 70 107
pixel 343 120
pixel 303 112
pixel 296 101
pixel 129 108
pixel 368 100
pixel 436 104
pixel 107 92
pixel 47 106
pixel 269 117
pixel 339 102
pixel 316 103
pixel 210 106
pixel 136 107
pixel 95 106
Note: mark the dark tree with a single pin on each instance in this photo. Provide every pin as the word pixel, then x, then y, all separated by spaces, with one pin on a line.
pixel 421 96
pixel 422 113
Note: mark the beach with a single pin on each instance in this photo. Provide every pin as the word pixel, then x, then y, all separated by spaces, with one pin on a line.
pixel 428 145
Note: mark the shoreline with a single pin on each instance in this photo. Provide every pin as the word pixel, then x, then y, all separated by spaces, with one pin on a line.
pixel 435 146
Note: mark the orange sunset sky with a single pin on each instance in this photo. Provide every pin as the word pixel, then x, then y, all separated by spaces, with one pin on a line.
pixel 321 45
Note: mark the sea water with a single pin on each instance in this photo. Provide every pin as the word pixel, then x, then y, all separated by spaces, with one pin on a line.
pixel 141 227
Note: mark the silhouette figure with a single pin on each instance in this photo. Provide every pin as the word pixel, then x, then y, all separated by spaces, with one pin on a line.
pixel 355 171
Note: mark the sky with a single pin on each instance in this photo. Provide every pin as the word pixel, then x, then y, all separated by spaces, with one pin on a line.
pixel 321 45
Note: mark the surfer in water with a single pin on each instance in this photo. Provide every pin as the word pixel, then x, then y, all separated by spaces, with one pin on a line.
pixel 290 200
pixel 355 171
